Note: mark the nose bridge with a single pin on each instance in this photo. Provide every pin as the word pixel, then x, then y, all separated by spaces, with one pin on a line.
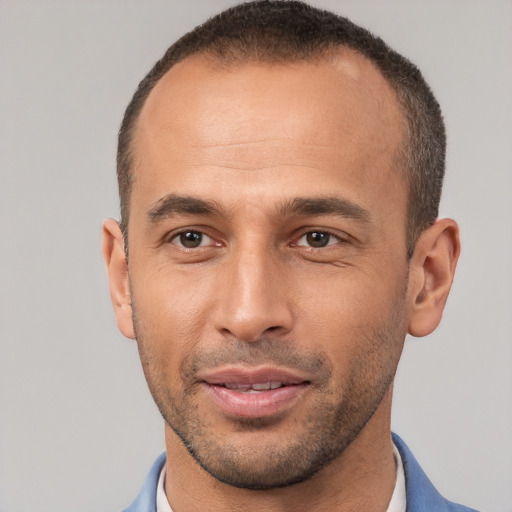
pixel 253 298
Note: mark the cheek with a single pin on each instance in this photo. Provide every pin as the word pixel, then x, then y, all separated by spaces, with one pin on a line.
pixel 170 314
pixel 352 313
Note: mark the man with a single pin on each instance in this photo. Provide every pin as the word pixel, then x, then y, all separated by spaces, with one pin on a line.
pixel 280 171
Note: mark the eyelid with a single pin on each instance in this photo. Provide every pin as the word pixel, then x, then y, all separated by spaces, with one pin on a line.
pixel 341 238
pixel 172 236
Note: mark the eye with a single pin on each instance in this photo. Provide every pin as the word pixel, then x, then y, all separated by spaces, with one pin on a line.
pixel 192 239
pixel 317 239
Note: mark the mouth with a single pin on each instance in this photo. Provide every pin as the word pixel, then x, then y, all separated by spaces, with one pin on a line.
pixel 254 393
pixel 256 387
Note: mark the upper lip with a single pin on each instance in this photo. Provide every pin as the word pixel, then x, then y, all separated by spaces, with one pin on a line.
pixel 246 376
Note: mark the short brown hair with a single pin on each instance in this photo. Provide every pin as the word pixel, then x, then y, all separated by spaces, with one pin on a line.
pixel 291 31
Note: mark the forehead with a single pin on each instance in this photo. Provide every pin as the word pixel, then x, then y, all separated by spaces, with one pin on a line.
pixel 337 116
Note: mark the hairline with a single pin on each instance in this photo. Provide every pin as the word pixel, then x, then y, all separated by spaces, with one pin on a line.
pixel 402 155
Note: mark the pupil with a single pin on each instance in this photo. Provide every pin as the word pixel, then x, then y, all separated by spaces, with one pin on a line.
pixel 191 239
pixel 317 239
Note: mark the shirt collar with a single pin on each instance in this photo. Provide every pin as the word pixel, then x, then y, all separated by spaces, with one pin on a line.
pixel 398 501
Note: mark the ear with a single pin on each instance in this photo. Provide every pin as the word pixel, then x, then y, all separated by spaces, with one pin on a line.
pixel 432 268
pixel 117 270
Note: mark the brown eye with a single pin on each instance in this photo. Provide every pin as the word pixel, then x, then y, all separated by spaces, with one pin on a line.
pixel 317 239
pixel 192 239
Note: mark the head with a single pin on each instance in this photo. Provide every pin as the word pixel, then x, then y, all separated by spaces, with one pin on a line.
pixel 288 32
pixel 269 170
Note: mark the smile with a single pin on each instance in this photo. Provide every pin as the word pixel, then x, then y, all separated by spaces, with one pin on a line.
pixel 253 393
pixel 254 388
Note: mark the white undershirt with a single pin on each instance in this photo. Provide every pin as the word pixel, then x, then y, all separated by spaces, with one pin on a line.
pixel 398 501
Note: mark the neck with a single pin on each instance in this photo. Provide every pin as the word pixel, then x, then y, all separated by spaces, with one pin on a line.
pixel 361 478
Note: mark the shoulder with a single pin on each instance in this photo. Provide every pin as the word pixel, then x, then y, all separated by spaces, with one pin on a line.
pixel 146 499
pixel 422 496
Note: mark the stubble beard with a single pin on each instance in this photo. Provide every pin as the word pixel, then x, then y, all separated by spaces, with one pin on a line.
pixel 335 420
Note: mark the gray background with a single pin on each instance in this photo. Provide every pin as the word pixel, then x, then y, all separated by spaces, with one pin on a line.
pixel 78 430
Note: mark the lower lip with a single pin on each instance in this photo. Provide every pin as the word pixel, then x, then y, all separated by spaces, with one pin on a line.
pixel 255 405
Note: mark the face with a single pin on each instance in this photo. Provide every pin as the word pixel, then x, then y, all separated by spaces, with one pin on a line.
pixel 267 261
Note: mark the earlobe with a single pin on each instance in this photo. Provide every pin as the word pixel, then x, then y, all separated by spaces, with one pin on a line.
pixel 117 269
pixel 432 269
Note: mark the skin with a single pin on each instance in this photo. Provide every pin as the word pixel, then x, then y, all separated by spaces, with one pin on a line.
pixel 253 140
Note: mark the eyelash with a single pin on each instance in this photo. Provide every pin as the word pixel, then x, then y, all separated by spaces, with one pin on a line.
pixel 202 233
pixel 339 239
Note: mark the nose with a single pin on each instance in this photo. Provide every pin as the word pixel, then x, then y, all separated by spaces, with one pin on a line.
pixel 253 299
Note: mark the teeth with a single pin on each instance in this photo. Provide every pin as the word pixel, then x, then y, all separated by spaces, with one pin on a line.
pixel 254 388
pixel 262 386
pixel 241 387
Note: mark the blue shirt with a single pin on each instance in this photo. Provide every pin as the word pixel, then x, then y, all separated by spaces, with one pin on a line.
pixel 422 496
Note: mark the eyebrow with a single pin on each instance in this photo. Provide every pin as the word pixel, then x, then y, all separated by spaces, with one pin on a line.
pixel 173 204
pixel 326 205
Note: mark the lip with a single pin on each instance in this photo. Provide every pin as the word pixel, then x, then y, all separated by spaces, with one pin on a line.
pixel 265 403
